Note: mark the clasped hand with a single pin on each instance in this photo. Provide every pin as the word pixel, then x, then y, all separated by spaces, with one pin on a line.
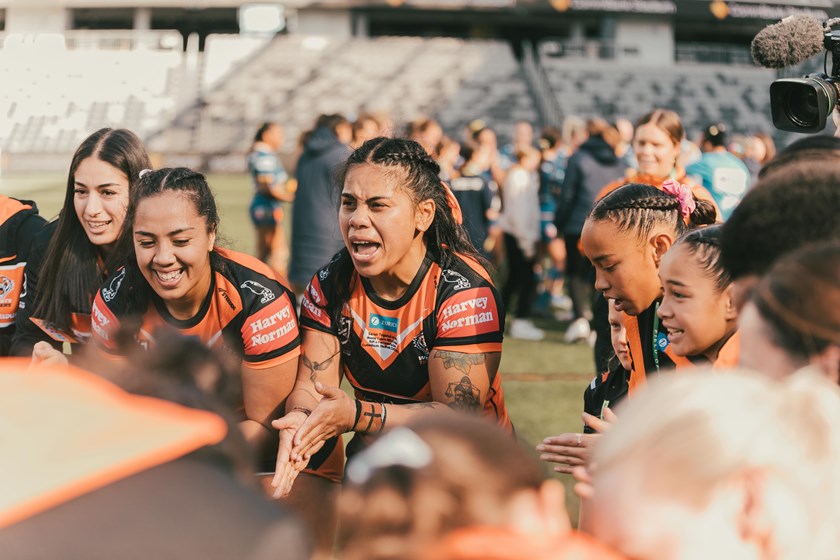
pixel 302 435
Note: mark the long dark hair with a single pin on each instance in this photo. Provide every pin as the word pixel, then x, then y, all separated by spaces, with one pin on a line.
pixel 71 271
pixel 180 180
pixel 444 238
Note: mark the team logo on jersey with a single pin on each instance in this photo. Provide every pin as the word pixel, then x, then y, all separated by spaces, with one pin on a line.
pixel 265 294
pixel 6 286
pixel 422 349
pixel 380 322
pixel 344 326
pixel 461 283
pixel 110 291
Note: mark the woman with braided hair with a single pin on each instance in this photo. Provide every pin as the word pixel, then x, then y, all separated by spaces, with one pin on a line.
pixel 625 237
pixel 406 312
pixel 792 318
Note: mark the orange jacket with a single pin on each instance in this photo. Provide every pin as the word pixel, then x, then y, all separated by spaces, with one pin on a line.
pixel 727 357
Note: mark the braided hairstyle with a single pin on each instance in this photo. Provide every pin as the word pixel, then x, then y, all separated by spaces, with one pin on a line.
pixel 704 244
pixel 637 208
pixel 179 180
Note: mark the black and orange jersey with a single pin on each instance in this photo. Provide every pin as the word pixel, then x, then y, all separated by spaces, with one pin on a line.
pixel 385 345
pixel 247 311
pixel 19 223
pixel 606 390
pixel 646 337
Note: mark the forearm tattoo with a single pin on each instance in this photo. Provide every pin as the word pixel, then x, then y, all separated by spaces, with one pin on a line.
pixel 460 361
pixel 315 367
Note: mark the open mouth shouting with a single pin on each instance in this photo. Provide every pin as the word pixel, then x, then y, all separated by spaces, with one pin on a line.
pixel 363 251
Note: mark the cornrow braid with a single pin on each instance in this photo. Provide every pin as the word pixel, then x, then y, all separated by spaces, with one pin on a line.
pixel 704 244
pixel 637 208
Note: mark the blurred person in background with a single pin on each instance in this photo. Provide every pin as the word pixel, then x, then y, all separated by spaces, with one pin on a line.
pixel 71 257
pixel 315 234
pixel 426 132
pixel 759 150
pixel 523 137
pixel 365 127
pixel 520 221
pixel 591 167
pixel 624 150
pixel 730 492
pixel 448 157
pixel 447 488
pixel 721 173
pixel 475 195
pixel 271 187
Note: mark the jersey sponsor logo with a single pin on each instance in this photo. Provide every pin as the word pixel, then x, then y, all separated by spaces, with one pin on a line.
pixel 464 306
pixel 99 322
pixel 310 308
pixel 265 294
pixel 384 323
pixel 469 321
pixel 662 341
pixel 469 313
pixel 271 328
pixel 456 278
pixel 314 293
pixel 110 291
pixel 384 342
pixel 226 297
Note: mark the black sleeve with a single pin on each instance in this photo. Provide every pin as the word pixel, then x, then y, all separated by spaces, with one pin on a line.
pixel 569 192
pixel 27 333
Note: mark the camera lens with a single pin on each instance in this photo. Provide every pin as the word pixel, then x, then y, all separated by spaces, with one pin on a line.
pixel 803 107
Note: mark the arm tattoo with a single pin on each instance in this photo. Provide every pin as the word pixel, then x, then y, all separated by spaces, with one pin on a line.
pixel 465 396
pixel 315 367
pixel 462 362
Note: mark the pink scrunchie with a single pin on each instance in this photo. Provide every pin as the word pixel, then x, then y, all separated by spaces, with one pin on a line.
pixel 683 194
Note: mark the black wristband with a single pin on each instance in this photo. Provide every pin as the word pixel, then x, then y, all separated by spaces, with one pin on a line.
pixel 358 413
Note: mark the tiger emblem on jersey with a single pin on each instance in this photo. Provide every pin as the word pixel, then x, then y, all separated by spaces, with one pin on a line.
pixel 6 286
pixel 110 292
pixel 265 294
pixel 452 277
pixel 421 347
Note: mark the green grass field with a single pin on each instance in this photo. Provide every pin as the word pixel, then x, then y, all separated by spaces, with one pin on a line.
pixel 543 381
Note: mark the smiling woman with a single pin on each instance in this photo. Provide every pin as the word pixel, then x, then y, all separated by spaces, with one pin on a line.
pixel 176 279
pixel 405 311
pixel 71 256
